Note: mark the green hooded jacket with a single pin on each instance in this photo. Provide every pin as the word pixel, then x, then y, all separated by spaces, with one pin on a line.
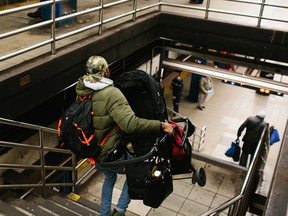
pixel 111 112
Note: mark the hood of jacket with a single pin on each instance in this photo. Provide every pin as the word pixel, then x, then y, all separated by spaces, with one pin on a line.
pixel 85 87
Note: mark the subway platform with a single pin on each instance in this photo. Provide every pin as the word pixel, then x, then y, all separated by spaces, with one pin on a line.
pixel 225 111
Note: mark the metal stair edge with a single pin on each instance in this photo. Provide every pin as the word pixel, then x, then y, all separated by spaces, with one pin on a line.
pixel 51 206
pixel 9 210
pixel 76 198
pixel 74 206
pixel 30 207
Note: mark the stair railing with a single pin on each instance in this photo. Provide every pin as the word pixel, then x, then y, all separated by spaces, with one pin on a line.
pixel 238 205
pixel 43 167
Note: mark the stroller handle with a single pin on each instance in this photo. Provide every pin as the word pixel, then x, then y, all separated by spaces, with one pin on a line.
pixel 129 161
pixel 153 152
pixel 189 128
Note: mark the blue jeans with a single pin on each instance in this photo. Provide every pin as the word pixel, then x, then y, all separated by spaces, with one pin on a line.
pixel 107 189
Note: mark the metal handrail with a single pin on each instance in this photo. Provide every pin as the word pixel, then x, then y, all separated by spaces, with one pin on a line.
pixel 101 22
pixel 237 201
pixel 201 138
pixel 43 167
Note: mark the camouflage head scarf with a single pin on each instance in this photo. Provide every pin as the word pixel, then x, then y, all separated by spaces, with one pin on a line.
pixel 95 67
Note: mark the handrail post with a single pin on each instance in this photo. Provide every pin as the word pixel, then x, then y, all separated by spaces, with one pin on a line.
pixel 101 17
pixel 134 9
pixel 200 140
pixel 207 9
pixel 261 13
pixel 160 5
pixel 194 139
pixel 53 27
pixel 42 159
pixel 74 173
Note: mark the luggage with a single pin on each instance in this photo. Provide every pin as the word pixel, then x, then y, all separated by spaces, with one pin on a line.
pixel 274 137
pixel 234 150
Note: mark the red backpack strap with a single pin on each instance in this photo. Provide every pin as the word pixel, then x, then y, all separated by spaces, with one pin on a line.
pixel 103 141
pixel 92 161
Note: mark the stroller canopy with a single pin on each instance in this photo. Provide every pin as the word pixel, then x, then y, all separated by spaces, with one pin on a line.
pixel 144 94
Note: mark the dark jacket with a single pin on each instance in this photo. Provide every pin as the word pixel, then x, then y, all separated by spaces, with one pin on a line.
pixel 254 127
pixel 177 86
pixel 113 113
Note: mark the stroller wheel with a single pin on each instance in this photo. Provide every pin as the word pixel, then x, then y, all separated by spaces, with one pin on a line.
pixel 194 178
pixel 201 177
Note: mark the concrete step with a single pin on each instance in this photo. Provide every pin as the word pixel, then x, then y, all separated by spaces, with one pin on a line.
pixel 54 204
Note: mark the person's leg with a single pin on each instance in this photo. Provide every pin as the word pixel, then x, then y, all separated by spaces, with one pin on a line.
pixel 243 159
pixel 204 98
pixel 107 191
pixel 200 100
pixel 124 199
pixel 176 104
pixel 251 158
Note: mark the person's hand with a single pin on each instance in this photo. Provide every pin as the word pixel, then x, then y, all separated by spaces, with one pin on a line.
pixel 174 97
pixel 206 92
pixel 166 127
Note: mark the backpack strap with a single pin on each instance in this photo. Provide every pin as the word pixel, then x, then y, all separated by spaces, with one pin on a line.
pixel 91 159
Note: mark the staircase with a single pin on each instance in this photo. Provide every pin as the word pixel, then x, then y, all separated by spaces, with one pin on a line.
pixel 21 201
pixel 54 204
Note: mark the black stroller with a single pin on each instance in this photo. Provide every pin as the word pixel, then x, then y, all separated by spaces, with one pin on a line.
pixel 149 174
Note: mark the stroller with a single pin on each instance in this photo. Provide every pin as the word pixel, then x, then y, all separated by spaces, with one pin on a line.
pixel 149 174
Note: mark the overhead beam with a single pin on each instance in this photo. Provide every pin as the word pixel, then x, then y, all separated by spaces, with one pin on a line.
pixel 229 59
pixel 226 75
pixel 168 79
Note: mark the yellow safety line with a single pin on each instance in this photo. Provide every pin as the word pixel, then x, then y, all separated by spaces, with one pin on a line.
pixel 18 4
pixel 82 166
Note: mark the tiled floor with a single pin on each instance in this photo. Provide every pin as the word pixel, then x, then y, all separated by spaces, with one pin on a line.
pixel 224 113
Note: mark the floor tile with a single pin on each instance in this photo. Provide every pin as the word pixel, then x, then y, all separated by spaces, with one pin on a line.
pixel 173 202
pixel 201 196
pixel 192 208
pixel 161 211
pixel 181 188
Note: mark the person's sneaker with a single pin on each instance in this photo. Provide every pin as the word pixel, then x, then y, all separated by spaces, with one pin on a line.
pixel 203 107
pixel 36 14
pixel 195 2
pixel 200 108
pixel 116 213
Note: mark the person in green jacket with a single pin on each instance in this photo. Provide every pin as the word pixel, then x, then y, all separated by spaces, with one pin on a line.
pixel 112 117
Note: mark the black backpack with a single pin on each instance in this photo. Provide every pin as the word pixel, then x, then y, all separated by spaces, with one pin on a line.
pixel 75 129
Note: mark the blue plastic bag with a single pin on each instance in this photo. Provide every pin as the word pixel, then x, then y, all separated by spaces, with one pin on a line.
pixel 231 150
pixel 274 137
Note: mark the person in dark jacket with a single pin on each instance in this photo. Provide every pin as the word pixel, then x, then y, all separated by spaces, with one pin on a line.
pixel 112 117
pixel 254 127
pixel 177 88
